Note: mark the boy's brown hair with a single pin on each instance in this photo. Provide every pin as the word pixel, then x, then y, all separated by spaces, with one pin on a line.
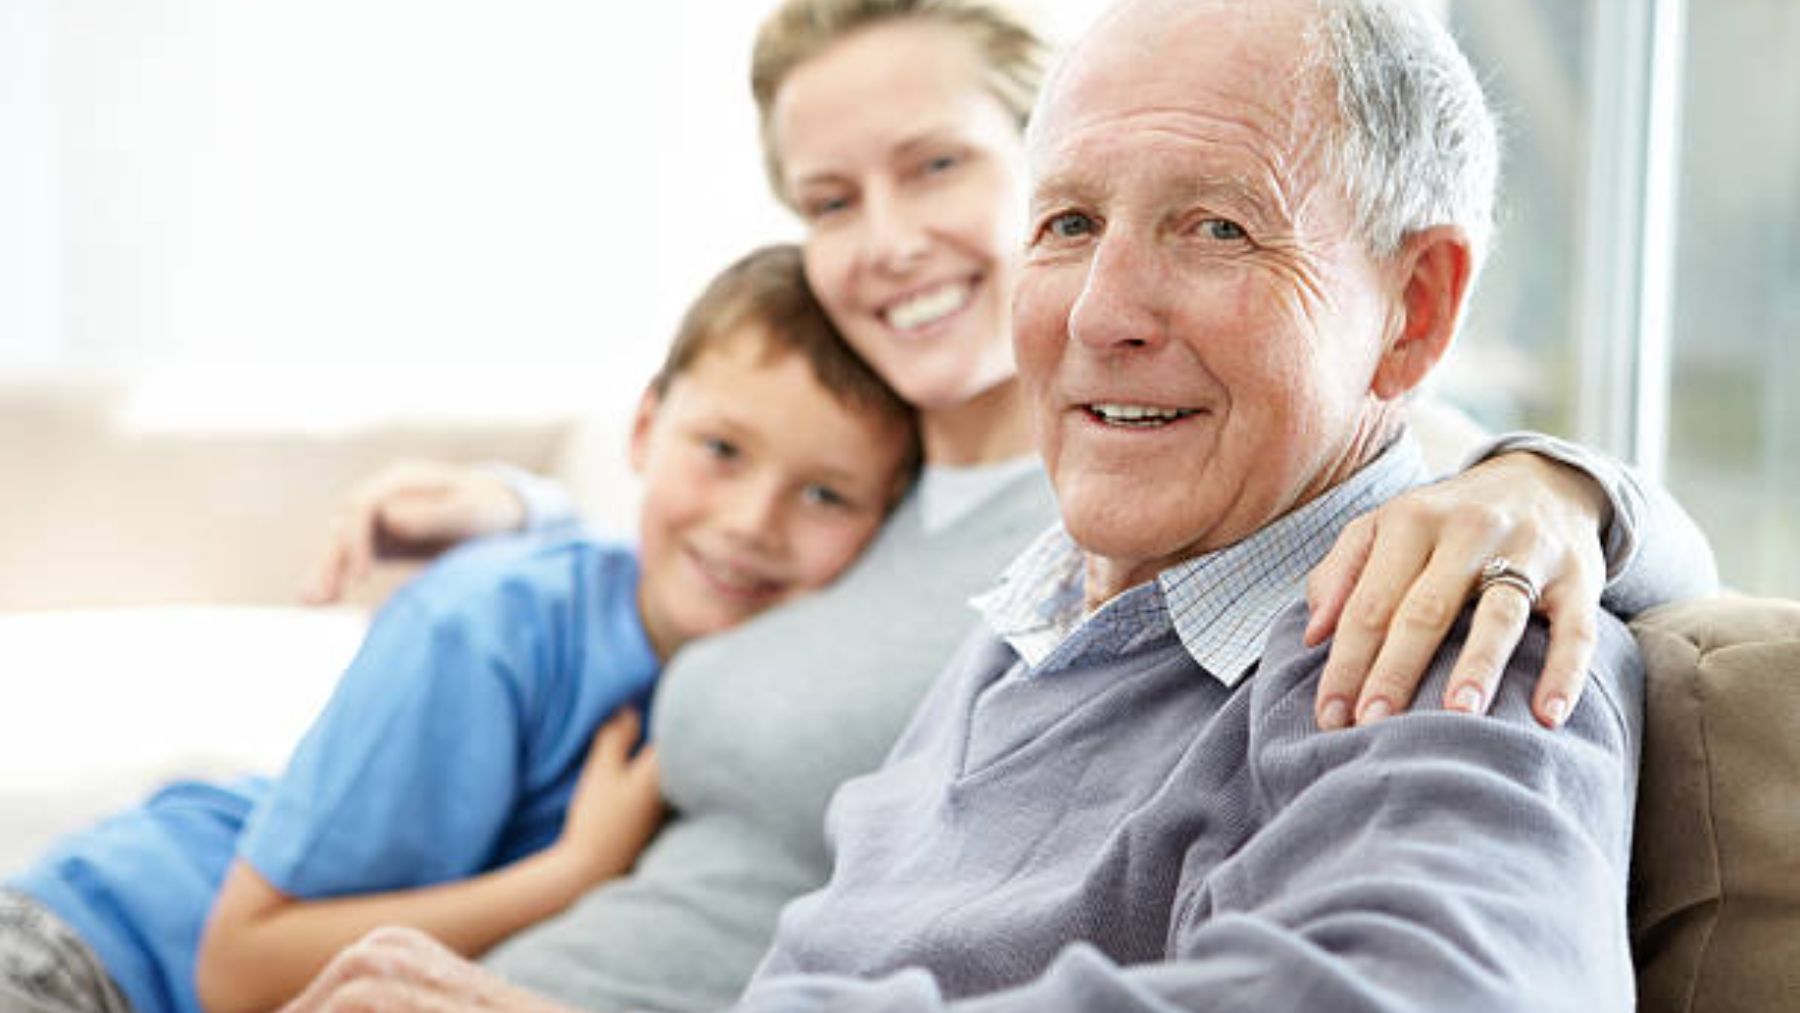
pixel 767 289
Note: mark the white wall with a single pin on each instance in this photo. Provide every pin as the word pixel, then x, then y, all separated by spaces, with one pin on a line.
pixel 285 210
pixel 512 195
pixel 33 292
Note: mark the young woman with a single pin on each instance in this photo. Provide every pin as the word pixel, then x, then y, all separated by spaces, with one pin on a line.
pixel 894 128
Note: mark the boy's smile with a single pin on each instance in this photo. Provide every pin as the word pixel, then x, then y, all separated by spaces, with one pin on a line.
pixel 759 484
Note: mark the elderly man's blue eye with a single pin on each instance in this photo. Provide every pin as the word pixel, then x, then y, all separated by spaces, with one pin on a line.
pixel 1224 229
pixel 1070 225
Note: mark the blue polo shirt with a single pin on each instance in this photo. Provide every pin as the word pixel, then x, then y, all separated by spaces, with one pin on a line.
pixel 449 748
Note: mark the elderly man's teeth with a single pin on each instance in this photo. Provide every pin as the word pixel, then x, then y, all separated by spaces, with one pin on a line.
pixel 929 307
pixel 1137 415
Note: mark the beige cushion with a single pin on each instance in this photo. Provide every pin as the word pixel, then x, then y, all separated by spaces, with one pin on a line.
pixel 98 512
pixel 1716 871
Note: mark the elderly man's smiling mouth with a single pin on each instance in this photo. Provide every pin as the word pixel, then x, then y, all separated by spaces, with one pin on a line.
pixel 1136 416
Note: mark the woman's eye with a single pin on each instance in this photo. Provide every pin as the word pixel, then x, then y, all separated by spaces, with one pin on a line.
pixel 1224 230
pixel 823 207
pixel 1069 225
pixel 723 449
pixel 942 163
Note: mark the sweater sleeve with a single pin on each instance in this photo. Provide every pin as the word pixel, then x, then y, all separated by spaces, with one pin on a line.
pixel 1655 553
pixel 1426 862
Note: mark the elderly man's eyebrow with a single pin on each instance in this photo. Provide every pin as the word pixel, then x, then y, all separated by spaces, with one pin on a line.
pixel 1051 198
pixel 1236 193
pixel 1225 193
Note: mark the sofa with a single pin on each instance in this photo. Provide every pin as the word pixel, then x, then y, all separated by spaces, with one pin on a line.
pixel 1715 891
pixel 148 630
pixel 150 564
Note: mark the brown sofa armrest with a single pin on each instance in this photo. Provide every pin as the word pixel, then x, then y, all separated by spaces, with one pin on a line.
pixel 1715 906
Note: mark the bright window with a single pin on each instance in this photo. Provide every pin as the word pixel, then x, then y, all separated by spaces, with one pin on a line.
pixel 1645 296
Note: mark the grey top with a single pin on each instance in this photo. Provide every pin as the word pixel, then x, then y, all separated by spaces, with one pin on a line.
pixel 1119 827
pixel 755 728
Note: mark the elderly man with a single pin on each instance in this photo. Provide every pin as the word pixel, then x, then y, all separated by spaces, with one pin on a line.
pixel 1254 227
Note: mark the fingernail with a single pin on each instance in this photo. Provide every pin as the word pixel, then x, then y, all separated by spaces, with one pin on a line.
pixel 1559 711
pixel 1336 714
pixel 1310 636
pixel 1375 710
pixel 1467 700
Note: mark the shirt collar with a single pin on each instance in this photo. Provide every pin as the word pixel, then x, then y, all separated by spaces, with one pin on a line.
pixel 1221 605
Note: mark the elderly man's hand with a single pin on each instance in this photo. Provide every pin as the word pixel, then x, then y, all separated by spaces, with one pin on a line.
pixel 406 971
pixel 1399 576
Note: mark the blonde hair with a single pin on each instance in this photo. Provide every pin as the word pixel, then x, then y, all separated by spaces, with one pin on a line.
pixel 1012 53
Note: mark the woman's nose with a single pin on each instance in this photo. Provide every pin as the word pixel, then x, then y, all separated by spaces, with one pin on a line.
pixel 893 239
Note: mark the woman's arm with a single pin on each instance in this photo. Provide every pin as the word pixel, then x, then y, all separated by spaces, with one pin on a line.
pixel 422 506
pixel 1579 524
pixel 261 945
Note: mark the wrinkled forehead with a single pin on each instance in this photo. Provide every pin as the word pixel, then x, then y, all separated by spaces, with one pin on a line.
pixel 1244 67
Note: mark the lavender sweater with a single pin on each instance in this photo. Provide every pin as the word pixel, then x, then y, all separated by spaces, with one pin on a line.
pixel 1137 836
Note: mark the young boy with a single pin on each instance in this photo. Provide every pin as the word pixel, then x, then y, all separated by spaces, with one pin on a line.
pixel 456 781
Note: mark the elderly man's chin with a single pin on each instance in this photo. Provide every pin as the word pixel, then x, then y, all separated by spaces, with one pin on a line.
pixel 1132 527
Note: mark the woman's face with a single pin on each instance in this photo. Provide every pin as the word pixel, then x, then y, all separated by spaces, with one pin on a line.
pixel 910 176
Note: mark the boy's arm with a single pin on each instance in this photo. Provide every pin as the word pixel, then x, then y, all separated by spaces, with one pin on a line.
pixel 262 945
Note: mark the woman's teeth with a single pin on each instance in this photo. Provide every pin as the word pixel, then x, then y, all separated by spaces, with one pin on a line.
pixel 928 307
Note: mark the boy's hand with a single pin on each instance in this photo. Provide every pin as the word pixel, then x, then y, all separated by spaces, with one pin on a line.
pixel 617 805
pixel 411 507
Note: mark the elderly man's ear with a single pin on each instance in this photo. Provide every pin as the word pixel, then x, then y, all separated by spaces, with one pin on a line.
pixel 1433 267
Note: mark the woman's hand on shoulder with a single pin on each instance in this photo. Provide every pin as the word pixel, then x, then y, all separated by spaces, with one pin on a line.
pixel 1398 578
pixel 412 508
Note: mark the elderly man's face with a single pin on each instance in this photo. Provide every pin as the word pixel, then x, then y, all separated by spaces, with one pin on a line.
pixel 1197 325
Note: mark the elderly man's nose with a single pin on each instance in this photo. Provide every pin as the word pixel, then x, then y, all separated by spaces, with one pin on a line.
pixel 1117 307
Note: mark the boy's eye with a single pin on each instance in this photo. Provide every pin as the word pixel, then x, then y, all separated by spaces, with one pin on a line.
pixel 824 495
pixel 718 447
pixel 941 163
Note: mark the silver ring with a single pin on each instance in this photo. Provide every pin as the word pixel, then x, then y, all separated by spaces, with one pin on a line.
pixel 1500 571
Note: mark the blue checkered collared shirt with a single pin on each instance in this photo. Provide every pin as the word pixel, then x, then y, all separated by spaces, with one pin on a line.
pixel 1220 604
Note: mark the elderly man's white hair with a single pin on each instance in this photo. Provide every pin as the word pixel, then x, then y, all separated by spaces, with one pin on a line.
pixel 1417 146
pixel 1414 144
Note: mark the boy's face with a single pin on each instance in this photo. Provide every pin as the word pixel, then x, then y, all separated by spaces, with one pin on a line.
pixel 759 485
